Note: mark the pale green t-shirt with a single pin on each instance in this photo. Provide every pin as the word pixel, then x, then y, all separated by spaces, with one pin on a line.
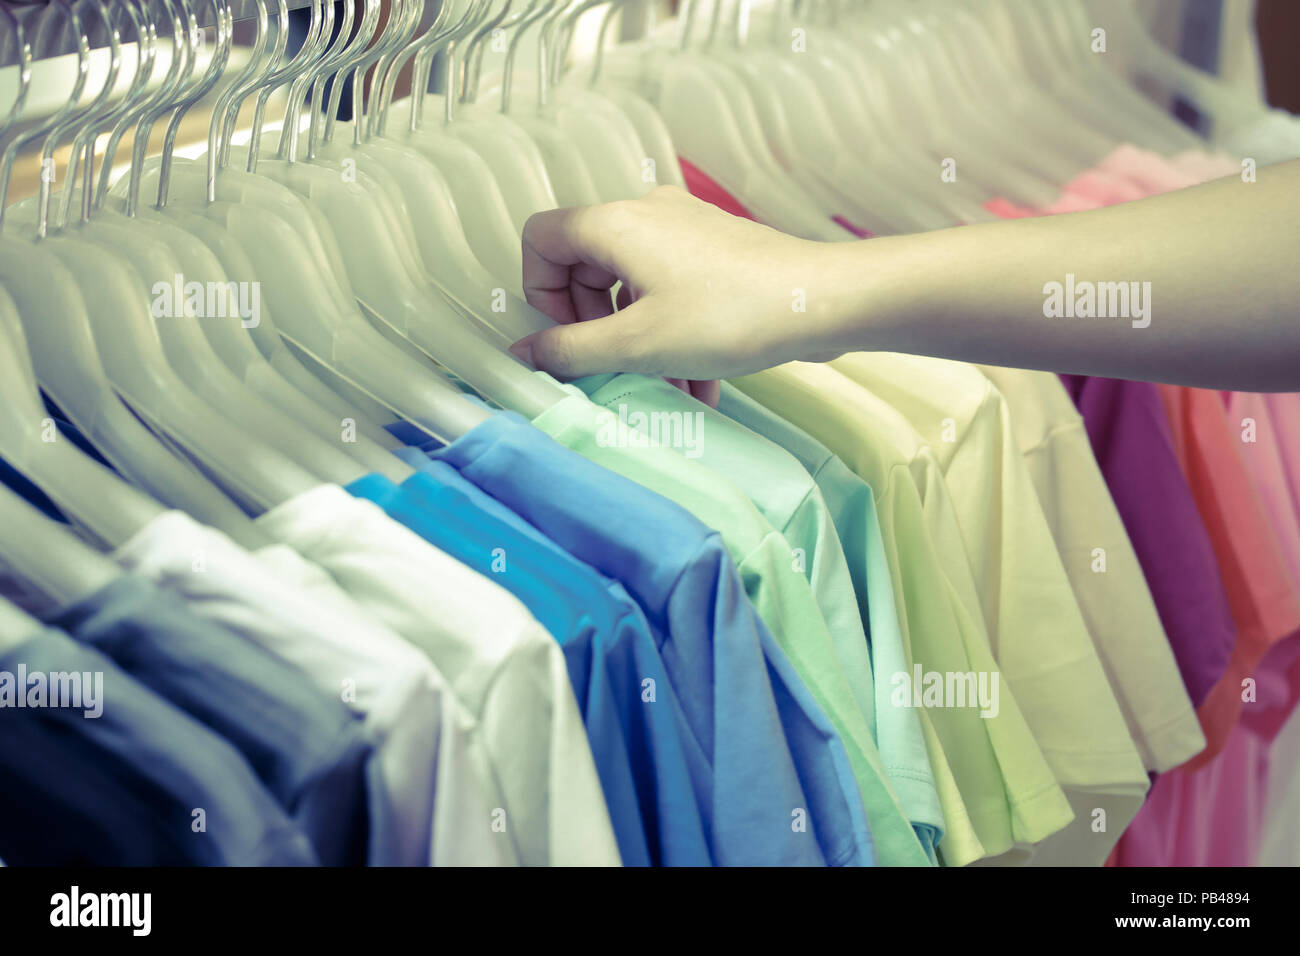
pixel 852 506
pixel 773 582
pixel 775 482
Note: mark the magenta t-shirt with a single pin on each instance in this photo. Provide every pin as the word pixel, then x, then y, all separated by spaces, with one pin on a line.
pixel 1130 436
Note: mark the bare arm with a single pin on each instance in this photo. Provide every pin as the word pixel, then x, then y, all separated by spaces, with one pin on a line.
pixel 1199 287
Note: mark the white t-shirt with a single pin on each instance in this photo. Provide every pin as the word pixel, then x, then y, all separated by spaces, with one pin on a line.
pixel 1280 841
pixel 424 787
pixel 502 665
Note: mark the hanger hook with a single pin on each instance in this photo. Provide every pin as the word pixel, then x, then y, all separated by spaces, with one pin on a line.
pixel 68 122
pixel 365 32
pixel 24 86
pixel 299 62
pixel 606 22
pixel 564 31
pixel 450 69
pixel 324 51
pixel 477 44
pixel 393 35
pixel 314 81
pixel 412 46
pixel 224 114
pixel 387 68
pixel 170 83
pixel 184 26
pixel 546 42
pixel 430 46
pixel 146 37
pixel 79 84
pixel 225 32
pixel 507 71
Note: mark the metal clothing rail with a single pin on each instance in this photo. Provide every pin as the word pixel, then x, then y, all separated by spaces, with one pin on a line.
pixel 54 39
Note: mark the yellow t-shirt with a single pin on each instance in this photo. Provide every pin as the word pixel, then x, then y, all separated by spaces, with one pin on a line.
pixel 1039 635
pixel 1102 567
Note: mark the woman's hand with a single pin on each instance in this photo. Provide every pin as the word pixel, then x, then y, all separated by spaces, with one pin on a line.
pixel 709 295
pixel 705 294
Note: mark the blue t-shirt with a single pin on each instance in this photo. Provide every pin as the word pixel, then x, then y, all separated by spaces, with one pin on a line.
pixel 747 707
pixel 649 767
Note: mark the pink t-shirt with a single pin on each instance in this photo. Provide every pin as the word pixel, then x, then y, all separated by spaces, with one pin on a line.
pixel 703 186
pixel 1264 602
pixel 1148 170
pixel 1274 462
pixel 1104 189
pixel 1006 209
pixel 850 227
pixel 1212 817
pixel 1205 166
pixel 1071 202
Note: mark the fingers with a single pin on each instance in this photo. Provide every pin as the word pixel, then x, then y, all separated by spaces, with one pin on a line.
pixel 568 262
pixel 625 296
pixel 710 392
pixel 572 350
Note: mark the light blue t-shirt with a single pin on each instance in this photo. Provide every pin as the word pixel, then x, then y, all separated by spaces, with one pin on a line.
pixel 647 763
pixel 783 789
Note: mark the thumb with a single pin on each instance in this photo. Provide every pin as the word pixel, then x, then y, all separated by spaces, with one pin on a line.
pixel 575 349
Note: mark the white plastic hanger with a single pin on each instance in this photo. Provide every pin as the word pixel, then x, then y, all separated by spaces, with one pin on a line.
pixel 571 175
pixel 1225 106
pixel 82 488
pixel 168 257
pixel 851 70
pixel 948 131
pixel 963 72
pixel 424 206
pixel 319 314
pixel 277 374
pixel 1017 92
pixel 388 292
pixel 88 493
pixel 68 368
pixel 1079 76
pixel 516 162
pixel 486 219
pixel 713 126
pixel 880 110
pixel 596 123
pixel 800 125
pixel 1069 18
pixel 118 310
pixel 62 567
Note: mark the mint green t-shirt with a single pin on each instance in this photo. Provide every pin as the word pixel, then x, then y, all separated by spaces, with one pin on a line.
pixel 775 482
pixel 852 507
pixel 773 582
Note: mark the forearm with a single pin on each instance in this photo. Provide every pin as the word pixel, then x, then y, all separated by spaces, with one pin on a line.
pixel 1198 287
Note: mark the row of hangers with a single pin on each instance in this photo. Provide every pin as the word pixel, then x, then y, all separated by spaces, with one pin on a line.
pixel 807 110
pixel 386 248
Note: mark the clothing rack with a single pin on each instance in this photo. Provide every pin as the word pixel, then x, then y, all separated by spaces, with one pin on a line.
pixel 52 40
pixel 248 517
